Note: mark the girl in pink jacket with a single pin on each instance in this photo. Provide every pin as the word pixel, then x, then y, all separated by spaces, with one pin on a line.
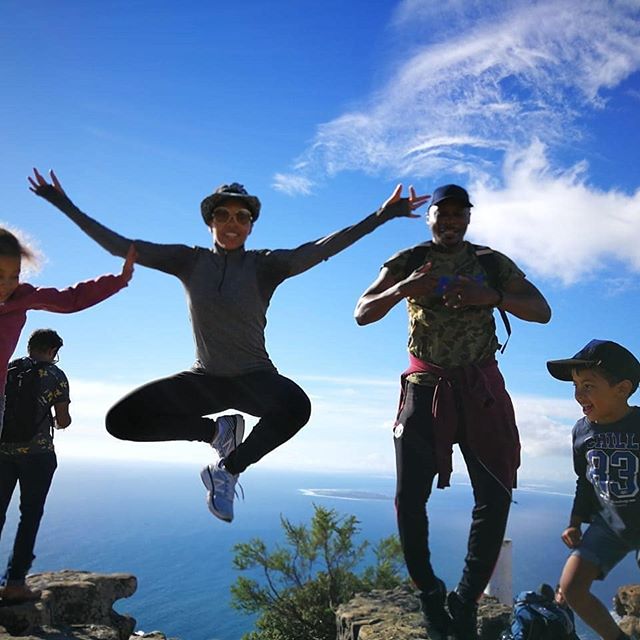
pixel 16 298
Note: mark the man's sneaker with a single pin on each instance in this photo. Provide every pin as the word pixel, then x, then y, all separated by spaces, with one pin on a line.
pixel 464 616
pixel 436 619
pixel 229 434
pixel 221 489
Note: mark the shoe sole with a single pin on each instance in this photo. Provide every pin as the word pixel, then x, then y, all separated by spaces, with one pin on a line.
pixel 207 481
pixel 238 435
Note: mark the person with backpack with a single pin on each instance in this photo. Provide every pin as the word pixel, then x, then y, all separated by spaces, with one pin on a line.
pixel 228 289
pixel 18 297
pixel 35 387
pixel 541 615
pixel 453 392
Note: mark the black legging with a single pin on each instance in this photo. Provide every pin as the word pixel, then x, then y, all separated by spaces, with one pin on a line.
pixel 416 469
pixel 173 408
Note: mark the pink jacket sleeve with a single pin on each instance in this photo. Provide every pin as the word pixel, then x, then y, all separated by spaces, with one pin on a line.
pixel 80 296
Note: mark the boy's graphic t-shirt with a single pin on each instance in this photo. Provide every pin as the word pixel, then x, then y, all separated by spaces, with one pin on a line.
pixel 54 389
pixel 606 458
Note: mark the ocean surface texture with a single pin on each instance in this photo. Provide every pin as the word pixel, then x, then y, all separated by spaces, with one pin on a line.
pixel 151 520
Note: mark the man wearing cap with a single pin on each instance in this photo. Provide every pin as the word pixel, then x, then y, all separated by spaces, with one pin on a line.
pixel 453 392
pixel 228 292
pixel 606 459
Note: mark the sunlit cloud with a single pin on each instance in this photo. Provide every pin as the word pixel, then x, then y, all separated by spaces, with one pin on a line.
pixel 509 76
pixel 551 222
pixel 545 424
pixel 489 101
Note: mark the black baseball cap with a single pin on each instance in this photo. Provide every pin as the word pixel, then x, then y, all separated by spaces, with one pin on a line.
pixel 226 192
pixel 453 191
pixel 611 356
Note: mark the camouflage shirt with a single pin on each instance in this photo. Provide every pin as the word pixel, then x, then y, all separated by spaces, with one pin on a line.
pixel 54 388
pixel 441 335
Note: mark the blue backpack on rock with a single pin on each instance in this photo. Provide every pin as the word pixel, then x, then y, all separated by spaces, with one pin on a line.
pixel 536 616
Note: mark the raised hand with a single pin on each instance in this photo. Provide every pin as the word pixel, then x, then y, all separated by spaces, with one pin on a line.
pixel 38 183
pixel 419 283
pixel 467 292
pixel 399 206
pixel 129 261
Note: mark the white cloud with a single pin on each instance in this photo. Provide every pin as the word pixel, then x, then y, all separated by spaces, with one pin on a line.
pixel 552 222
pixel 351 432
pixel 545 425
pixel 486 100
pixel 503 78
pixel 292 184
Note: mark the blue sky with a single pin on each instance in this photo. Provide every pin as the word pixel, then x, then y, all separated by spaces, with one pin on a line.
pixel 320 108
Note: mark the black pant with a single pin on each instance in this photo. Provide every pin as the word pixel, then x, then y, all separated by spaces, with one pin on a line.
pixel 173 408
pixel 416 469
pixel 34 472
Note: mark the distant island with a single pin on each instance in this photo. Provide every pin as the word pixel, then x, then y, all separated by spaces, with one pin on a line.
pixel 345 494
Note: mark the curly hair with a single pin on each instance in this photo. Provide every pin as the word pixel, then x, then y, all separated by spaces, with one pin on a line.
pixel 44 339
pixel 14 244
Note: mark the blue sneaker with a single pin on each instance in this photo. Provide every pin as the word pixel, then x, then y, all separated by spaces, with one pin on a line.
pixel 229 434
pixel 221 490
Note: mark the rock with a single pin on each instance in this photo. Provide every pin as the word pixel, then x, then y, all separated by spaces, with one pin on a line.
pixel 395 615
pixel 74 604
pixel 383 615
pixel 626 604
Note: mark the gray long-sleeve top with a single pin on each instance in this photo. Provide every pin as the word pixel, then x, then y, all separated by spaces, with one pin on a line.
pixel 228 292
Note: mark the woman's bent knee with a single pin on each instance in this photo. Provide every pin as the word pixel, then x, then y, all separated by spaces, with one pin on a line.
pixel 117 422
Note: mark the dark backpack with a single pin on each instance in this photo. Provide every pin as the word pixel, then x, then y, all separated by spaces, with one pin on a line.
pixel 24 417
pixel 536 617
pixel 488 262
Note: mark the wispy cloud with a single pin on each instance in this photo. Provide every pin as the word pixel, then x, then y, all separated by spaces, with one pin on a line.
pixel 292 184
pixel 485 103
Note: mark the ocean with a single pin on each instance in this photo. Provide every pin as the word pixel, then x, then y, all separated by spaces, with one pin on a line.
pixel 151 520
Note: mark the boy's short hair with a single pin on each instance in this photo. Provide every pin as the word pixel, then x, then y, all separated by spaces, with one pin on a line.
pixel 611 359
pixel 43 339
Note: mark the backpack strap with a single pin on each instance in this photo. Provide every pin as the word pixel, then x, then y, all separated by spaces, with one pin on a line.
pixel 489 263
pixel 35 367
pixel 417 256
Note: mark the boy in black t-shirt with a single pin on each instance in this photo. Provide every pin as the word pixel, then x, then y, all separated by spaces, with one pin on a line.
pixel 606 458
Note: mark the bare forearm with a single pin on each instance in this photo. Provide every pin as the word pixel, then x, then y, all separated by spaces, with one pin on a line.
pixel 532 308
pixel 375 306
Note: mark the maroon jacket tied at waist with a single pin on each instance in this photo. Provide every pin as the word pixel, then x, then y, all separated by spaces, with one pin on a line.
pixel 471 405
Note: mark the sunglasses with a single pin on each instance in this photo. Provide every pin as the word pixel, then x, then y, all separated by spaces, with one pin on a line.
pixel 242 216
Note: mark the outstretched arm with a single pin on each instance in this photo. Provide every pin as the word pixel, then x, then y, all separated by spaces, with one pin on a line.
pixel 311 253
pixel 84 294
pixel 168 258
